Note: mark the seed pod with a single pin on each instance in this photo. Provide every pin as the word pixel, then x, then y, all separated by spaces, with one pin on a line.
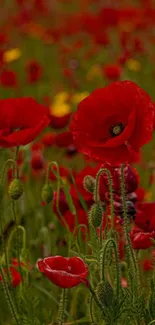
pixel 15 189
pixel 95 215
pixel 47 193
pixel 89 183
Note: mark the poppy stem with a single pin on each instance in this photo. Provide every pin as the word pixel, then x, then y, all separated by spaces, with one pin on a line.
pixel 8 297
pixel 62 306
pixel 102 263
pixel 57 174
pixel 95 297
pixel 17 236
pixel 96 192
pixel 16 173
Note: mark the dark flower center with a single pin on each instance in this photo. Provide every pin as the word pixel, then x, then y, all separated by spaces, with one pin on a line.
pixel 117 129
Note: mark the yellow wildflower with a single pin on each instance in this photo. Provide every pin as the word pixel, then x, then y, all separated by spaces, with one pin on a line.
pixel 78 97
pixel 12 55
pixel 133 65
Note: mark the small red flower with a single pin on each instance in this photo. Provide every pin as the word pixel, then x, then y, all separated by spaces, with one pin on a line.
pixel 113 123
pixel 64 139
pixel 21 121
pixel 15 275
pixel 59 122
pixel 64 272
pixel 141 239
pixel 37 160
pixel 145 216
pixel 48 139
pixel 8 78
pixel 34 71
pixel 112 71
pixel 147 264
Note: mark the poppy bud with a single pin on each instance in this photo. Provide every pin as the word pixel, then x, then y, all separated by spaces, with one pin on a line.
pixel 47 193
pixel 95 215
pixel 105 294
pixel 15 189
pixel 89 183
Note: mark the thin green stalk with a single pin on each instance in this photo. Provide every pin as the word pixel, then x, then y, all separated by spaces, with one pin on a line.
pixel 91 309
pixel 62 307
pixel 17 236
pixel 95 298
pixel 102 261
pixel 9 298
pixel 96 192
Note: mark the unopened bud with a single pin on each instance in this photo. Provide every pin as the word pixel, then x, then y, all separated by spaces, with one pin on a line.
pixel 89 183
pixel 47 193
pixel 96 214
pixel 15 189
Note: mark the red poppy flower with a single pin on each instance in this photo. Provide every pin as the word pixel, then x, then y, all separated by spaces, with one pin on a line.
pixel 63 205
pixel 112 71
pixel 64 139
pixel 147 264
pixel 8 78
pixel 64 272
pixel 37 160
pixel 21 121
pixel 145 216
pixel 15 275
pixel 59 122
pixel 34 71
pixel 113 128
pixel 141 239
pixel 130 174
pixel 48 139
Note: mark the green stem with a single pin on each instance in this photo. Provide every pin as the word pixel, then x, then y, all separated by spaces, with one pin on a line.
pixel 17 236
pixel 15 159
pixel 91 309
pixel 57 174
pixel 106 171
pixel 15 170
pixel 9 298
pixel 62 307
pixel 102 261
pixel 152 322
pixel 95 298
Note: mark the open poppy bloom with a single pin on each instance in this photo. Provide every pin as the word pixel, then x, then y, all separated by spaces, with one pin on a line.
pixel 113 123
pixel 65 272
pixel 21 121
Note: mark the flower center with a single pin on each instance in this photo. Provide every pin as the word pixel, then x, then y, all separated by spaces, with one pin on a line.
pixel 69 268
pixel 117 129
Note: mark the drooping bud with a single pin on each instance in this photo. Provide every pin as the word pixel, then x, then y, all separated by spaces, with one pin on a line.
pixel 47 193
pixel 89 183
pixel 15 189
pixel 105 294
pixel 96 214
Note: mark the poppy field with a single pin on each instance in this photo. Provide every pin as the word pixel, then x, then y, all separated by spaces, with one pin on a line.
pixel 77 162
